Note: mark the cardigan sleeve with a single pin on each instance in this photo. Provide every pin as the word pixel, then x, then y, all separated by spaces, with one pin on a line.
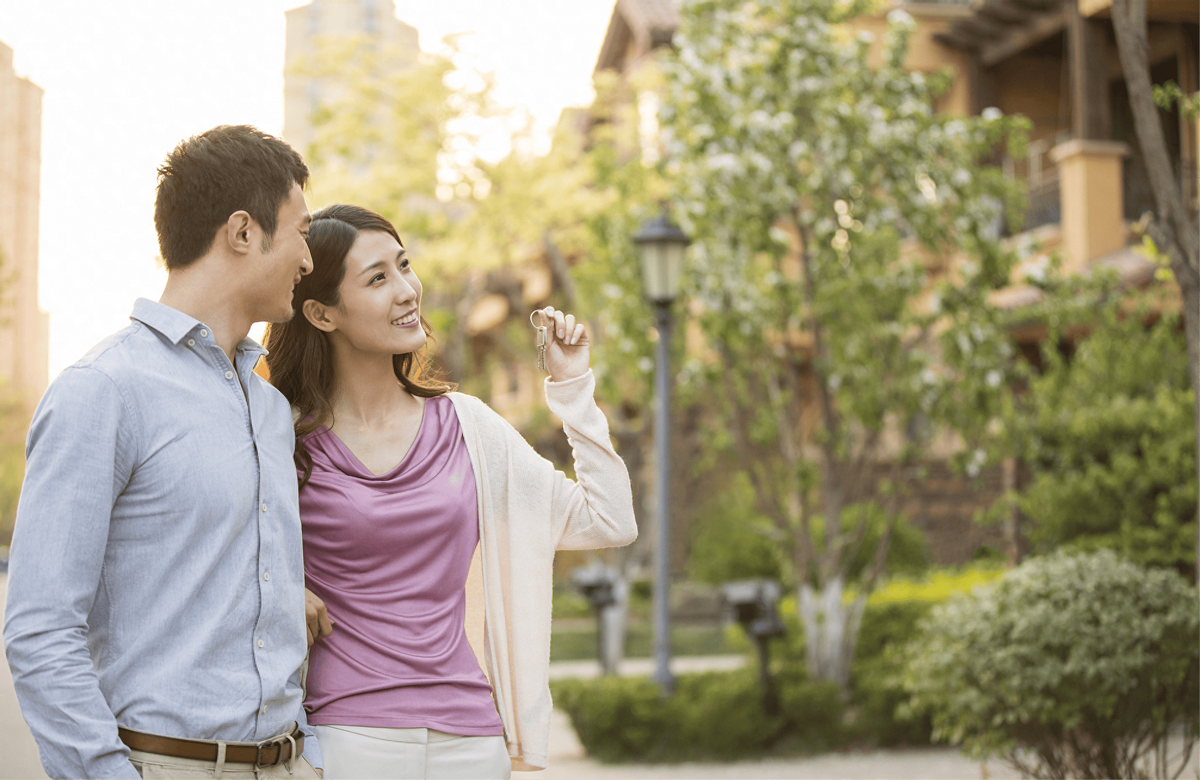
pixel 596 510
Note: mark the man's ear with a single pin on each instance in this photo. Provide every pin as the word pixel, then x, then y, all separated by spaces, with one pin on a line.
pixel 239 229
pixel 318 315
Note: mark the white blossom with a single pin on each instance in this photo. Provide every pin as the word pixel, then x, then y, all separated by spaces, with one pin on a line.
pixel 898 17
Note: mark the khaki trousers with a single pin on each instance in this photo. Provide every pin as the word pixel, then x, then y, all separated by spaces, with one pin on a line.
pixel 154 765
pixel 372 753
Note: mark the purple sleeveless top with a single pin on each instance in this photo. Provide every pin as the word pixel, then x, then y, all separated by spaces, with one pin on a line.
pixel 389 556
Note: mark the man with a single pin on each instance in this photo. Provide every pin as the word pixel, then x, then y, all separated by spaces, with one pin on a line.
pixel 155 621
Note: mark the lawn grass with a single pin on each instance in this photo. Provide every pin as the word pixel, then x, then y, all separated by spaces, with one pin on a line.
pixel 575 640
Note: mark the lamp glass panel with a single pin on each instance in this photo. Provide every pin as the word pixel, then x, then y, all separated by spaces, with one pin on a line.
pixel 673 263
pixel 650 263
pixel 662 267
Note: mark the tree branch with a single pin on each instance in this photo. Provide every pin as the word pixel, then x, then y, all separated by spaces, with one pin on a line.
pixel 1129 24
pixel 831 489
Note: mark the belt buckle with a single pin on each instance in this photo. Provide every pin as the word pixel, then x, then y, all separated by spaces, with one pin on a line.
pixel 258 756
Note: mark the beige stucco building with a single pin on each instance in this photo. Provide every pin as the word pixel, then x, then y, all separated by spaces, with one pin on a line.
pixel 373 22
pixel 24 327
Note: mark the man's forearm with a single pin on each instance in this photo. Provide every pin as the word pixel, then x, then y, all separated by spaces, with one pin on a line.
pixel 60 696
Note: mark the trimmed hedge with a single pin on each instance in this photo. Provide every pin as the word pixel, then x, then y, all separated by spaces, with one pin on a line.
pixel 717 715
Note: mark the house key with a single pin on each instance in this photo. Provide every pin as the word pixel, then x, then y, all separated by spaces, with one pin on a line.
pixel 541 339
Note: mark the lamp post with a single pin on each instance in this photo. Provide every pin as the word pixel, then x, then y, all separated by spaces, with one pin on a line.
pixel 661 245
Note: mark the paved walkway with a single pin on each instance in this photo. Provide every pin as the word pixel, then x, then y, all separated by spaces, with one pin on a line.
pixel 18 751
pixel 633 667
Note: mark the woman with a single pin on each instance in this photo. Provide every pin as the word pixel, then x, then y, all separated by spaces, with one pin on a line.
pixel 406 489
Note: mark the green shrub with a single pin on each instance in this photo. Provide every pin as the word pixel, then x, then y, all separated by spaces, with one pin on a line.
pixel 891 620
pixel 875 676
pixel 731 538
pixel 1071 665
pixel 717 715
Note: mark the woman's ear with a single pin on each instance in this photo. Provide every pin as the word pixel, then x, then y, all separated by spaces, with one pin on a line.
pixel 318 315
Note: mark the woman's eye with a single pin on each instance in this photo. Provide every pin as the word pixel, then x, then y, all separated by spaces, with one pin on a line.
pixel 404 264
pixel 377 278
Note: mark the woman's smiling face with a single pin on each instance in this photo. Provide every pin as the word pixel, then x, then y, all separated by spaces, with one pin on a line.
pixel 379 310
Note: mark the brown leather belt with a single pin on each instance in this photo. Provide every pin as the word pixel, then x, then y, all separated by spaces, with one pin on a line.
pixel 267 753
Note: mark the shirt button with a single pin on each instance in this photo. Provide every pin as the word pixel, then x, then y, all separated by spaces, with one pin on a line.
pixel 264 709
pixel 260 643
pixel 229 375
pixel 266 575
pixel 191 342
pixel 203 333
pixel 264 506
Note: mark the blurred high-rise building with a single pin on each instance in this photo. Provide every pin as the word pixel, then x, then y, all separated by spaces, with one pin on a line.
pixel 372 22
pixel 24 327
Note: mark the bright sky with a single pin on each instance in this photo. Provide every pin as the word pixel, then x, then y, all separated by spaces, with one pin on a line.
pixel 125 80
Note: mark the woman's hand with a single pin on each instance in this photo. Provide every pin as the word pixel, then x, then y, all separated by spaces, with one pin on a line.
pixel 568 349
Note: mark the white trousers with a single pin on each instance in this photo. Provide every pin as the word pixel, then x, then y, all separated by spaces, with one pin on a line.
pixel 373 753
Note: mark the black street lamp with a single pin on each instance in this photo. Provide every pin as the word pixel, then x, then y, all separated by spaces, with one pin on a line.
pixel 661 245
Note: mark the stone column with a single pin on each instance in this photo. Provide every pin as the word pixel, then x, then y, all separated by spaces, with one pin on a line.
pixel 1093 220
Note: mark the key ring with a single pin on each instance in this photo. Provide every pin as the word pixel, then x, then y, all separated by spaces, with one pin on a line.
pixel 542 338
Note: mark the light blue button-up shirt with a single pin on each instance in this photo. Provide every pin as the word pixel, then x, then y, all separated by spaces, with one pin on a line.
pixel 155 578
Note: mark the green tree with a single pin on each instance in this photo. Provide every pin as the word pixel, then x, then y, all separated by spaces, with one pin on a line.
pixel 403 138
pixel 15 416
pixel 1108 437
pixel 382 128
pixel 824 195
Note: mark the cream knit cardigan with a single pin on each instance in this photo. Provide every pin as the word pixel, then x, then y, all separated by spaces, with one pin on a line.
pixel 527 510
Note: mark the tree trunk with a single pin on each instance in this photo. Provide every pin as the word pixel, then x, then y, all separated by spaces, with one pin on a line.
pixel 1173 230
pixel 830 630
pixel 1189 288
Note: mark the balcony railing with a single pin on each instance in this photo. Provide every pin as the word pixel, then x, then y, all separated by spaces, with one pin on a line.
pixel 1040 175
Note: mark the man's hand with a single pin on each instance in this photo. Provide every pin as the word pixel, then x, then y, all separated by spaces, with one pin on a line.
pixel 319 624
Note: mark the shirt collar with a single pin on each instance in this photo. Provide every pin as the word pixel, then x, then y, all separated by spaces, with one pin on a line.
pixel 171 323
pixel 175 325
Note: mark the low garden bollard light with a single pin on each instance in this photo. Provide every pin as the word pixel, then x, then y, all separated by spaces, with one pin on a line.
pixel 754 605
pixel 598 586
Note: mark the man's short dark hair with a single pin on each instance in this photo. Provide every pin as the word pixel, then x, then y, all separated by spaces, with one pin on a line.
pixel 209 176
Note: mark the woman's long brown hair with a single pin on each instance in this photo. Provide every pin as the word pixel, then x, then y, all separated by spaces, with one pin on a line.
pixel 300 358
